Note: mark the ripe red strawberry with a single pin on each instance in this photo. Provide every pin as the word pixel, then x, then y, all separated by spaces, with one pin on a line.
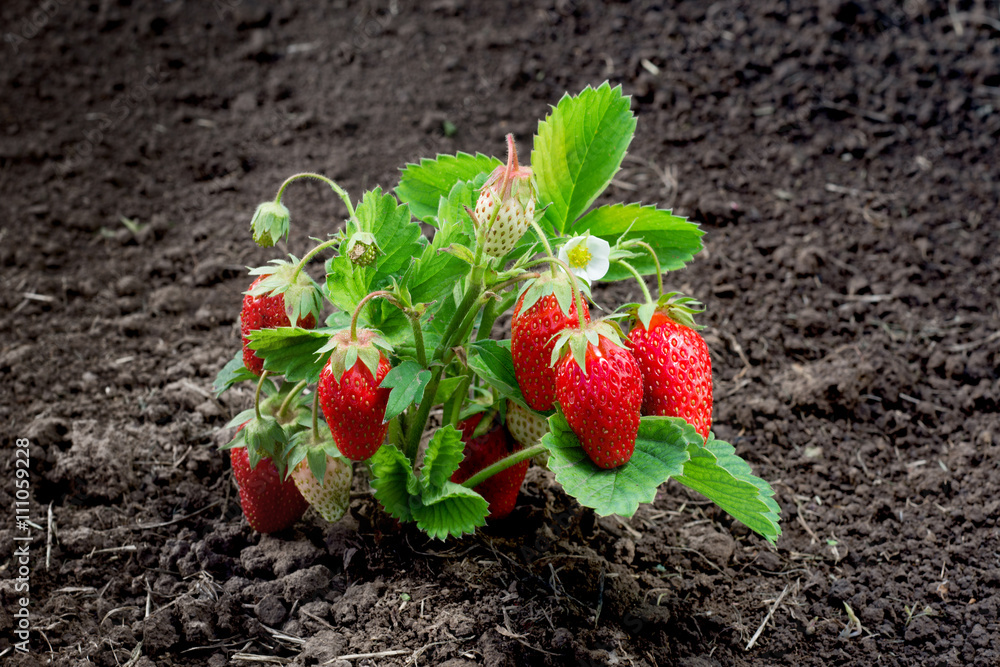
pixel 532 339
pixel 602 405
pixel 264 312
pixel 676 371
pixel 269 503
pixel 352 401
pixel 500 490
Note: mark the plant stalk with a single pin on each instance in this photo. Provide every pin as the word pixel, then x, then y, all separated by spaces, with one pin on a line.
pixel 503 464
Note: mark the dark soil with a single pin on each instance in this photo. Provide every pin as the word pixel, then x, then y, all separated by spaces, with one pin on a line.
pixel 842 158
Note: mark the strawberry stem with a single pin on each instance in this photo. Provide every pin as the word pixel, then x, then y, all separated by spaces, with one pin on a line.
pixel 642 283
pixel 288 400
pixel 336 188
pixel 656 260
pixel 503 464
pixel 545 242
pixel 315 418
pixel 256 396
pixel 380 294
pixel 530 275
pixel 312 253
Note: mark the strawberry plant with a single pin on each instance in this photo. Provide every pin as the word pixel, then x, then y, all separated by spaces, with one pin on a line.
pixel 406 375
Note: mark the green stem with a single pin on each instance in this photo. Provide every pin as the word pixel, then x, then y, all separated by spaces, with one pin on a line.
pixel 288 400
pixel 545 242
pixel 315 416
pixel 468 301
pixel 656 261
pixel 502 465
pixel 642 283
pixel 489 317
pixel 418 338
pixel 416 427
pixel 456 406
pixel 531 275
pixel 256 395
pixel 379 294
pixel 312 253
pixel 336 188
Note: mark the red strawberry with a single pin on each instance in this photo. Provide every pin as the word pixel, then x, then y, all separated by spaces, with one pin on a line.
pixel 676 371
pixel 532 339
pixel 352 401
pixel 264 312
pixel 602 405
pixel 500 490
pixel 269 503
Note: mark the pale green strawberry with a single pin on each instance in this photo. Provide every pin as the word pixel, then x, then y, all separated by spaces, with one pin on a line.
pixel 528 428
pixel 332 497
pixel 506 206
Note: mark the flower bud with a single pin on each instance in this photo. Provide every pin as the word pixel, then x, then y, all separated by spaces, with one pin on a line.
pixel 270 223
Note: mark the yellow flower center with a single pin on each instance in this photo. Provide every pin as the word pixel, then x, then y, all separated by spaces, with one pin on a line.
pixel 579 256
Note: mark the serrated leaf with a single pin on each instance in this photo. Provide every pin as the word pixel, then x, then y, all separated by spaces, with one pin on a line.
pixel 716 472
pixel 492 361
pixel 674 239
pixel 291 351
pixel 392 479
pixel 451 510
pixel 422 185
pixel 234 372
pixel 407 381
pixel 578 149
pixel 444 453
pixel 661 448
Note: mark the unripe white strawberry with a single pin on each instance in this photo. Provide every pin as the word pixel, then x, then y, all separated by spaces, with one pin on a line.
pixel 506 206
pixel 528 428
pixel 331 498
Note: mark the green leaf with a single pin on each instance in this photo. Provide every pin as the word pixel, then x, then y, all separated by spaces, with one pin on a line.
pixel 392 479
pixel 291 351
pixel 492 361
pixel 444 453
pixel 674 239
pixel 452 510
pixel 578 150
pixel 715 471
pixel 407 381
pixel 660 452
pixel 422 185
pixel 234 372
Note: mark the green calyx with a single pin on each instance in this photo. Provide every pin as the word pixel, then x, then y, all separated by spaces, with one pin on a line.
pixel 265 438
pixel 367 349
pixel 314 448
pixel 270 222
pixel 301 293
pixel 576 341
pixel 681 309
pixel 558 285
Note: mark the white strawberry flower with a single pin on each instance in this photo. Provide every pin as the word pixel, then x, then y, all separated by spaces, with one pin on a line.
pixel 587 257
